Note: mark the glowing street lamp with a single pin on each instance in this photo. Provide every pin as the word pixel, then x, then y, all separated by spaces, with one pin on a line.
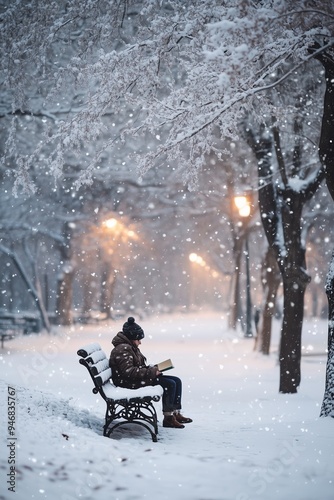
pixel 109 223
pixel 117 229
pixel 193 257
pixel 243 205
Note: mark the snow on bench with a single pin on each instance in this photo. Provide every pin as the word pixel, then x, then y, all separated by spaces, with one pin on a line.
pixel 127 405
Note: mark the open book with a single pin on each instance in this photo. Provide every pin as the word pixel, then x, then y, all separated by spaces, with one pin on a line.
pixel 165 365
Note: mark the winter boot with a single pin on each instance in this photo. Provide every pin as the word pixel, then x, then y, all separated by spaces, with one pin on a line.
pixel 181 419
pixel 170 421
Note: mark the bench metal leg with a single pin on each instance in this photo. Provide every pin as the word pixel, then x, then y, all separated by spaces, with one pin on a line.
pixel 140 413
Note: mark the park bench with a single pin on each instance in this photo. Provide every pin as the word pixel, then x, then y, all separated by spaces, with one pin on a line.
pixel 8 332
pixel 14 324
pixel 134 406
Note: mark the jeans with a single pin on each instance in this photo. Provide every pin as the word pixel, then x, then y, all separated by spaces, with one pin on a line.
pixel 171 398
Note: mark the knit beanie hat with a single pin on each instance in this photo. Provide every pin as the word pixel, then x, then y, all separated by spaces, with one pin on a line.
pixel 132 330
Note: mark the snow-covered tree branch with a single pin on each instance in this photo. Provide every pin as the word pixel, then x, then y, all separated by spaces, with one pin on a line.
pixel 180 71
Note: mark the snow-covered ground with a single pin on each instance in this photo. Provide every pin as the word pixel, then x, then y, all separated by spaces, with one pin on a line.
pixel 246 442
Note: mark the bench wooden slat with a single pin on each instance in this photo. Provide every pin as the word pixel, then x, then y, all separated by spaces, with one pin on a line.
pixel 95 357
pixel 100 367
pixel 102 378
pixel 89 349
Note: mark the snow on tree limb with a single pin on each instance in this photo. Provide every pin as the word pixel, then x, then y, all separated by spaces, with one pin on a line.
pixel 180 70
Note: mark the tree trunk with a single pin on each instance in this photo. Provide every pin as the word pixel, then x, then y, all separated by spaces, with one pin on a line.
pixel 89 294
pixel 295 281
pixel 65 279
pixel 42 306
pixel 326 153
pixel 327 408
pixel 108 281
pixel 65 295
pixel 271 280
pixel 281 209
pixel 294 285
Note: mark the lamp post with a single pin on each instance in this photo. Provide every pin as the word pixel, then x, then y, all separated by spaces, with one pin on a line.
pixel 116 237
pixel 243 205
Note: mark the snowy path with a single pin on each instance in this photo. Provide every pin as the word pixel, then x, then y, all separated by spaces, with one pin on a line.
pixel 246 442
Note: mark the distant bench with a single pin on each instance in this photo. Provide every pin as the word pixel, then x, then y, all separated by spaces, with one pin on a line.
pixel 12 325
pixel 134 406
pixel 8 332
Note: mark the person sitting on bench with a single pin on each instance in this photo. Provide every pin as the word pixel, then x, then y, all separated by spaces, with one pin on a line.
pixel 129 369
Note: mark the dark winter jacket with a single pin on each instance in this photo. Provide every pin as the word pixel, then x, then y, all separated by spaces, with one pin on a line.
pixel 128 364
